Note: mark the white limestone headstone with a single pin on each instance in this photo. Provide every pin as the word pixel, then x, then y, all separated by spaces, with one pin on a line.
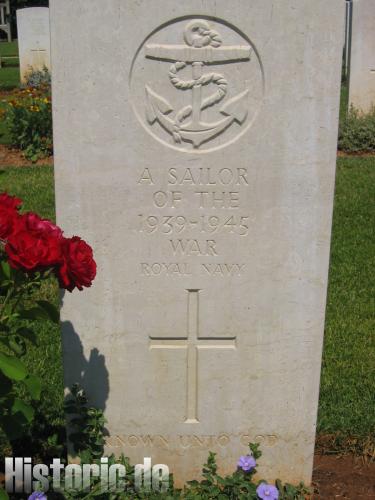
pixel 362 59
pixel 33 39
pixel 195 149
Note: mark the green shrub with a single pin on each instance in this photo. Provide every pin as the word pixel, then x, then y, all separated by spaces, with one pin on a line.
pixel 357 132
pixel 29 121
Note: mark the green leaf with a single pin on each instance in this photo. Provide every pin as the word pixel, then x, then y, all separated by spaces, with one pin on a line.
pixel 28 334
pixel 34 386
pixel 12 367
pixel 4 328
pixel 279 484
pixel 85 456
pixel 17 344
pixel 193 483
pixel 26 410
pixel 50 309
pixel 5 283
pixel 4 341
pixel 40 312
pixel 5 269
pixel 12 425
pixel 75 436
pixel 33 314
pixel 5 385
pixel 3 495
pixel 98 492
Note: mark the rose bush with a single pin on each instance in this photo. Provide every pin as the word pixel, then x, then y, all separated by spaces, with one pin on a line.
pixel 32 249
pixel 34 244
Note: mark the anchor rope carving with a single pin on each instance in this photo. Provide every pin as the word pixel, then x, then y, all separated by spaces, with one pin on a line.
pixel 202 47
pixel 198 37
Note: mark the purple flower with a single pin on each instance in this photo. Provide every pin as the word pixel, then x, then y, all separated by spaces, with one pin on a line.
pixel 267 492
pixel 38 495
pixel 246 463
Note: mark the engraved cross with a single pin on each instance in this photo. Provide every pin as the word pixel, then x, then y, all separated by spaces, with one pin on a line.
pixel 192 342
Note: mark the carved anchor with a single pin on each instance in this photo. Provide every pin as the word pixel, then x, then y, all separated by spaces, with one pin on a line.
pixel 203 46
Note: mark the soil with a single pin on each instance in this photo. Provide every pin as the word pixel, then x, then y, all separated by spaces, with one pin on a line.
pixel 343 477
pixel 345 154
pixel 14 158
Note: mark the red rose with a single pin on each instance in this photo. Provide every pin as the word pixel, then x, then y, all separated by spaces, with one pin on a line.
pixel 33 251
pixel 78 268
pixel 32 222
pixel 9 219
pixel 7 201
pixel 8 214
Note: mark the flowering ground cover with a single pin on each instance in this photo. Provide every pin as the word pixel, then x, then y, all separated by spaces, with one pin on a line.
pixel 4 133
pixel 27 115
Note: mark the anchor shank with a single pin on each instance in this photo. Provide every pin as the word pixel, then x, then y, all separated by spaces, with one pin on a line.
pixel 197 93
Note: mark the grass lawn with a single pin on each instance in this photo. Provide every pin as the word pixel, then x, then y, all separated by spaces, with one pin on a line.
pixel 9 73
pixel 347 398
pixel 344 101
pixel 9 77
pixel 9 48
